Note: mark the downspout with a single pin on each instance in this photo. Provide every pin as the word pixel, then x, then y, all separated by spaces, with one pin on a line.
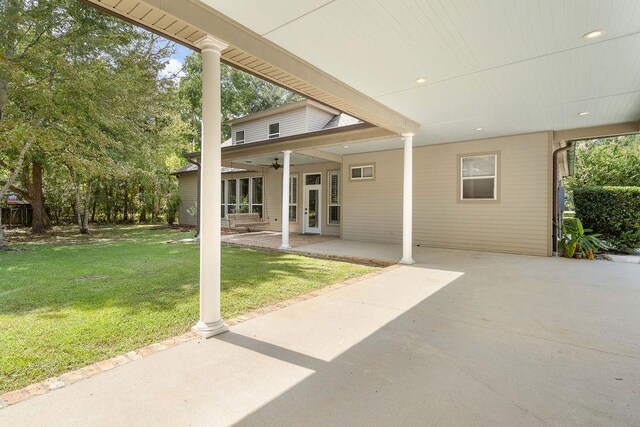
pixel 555 217
pixel 193 162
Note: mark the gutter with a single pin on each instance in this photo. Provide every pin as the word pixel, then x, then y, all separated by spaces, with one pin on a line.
pixel 555 219
pixel 195 162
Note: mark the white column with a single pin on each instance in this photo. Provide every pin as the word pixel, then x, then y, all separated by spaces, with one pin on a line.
pixel 210 323
pixel 407 200
pixel 285 200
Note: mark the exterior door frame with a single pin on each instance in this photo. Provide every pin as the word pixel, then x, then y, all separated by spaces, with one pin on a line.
pixel 305 205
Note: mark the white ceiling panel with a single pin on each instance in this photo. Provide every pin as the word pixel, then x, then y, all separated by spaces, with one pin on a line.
pixel 508 66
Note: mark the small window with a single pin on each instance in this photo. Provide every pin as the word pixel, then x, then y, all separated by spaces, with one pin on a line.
pixel 478 177
pixel 362 172
pixel 240 137
pixel 334 198
pixel 293 198
pixel 274 130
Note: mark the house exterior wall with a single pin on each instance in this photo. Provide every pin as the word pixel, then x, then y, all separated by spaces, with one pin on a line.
pixel 272 201
pixel 518 223
pixel 317 119
pixel 188 189
pixel 292 122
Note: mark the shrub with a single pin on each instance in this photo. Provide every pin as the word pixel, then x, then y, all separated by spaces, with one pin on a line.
pixel 577 242
pixel 613 212
pixel 173 205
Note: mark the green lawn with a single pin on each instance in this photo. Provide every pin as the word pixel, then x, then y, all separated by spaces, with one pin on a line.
pixel 68 301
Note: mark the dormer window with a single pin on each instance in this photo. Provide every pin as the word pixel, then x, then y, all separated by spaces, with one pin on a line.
pixel 239 137
pixel 274 130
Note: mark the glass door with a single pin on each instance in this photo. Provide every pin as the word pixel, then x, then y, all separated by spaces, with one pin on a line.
pixel 312 202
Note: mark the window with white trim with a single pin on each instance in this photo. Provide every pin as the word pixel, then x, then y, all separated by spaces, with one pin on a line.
pixel 361 172
pixel 334 198
pixel 240 137
pixel 293 198
pixel 479 177
pixel 242 195
pixel 274 130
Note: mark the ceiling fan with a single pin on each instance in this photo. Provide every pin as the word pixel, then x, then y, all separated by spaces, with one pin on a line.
pixel 275 164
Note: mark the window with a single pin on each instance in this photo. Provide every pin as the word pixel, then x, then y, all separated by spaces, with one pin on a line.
pixel 240 137
pixel 479 177
pixel 243 195
pixel 256 195
pixel 362 172
pixel 293 198
pixel 274 130
pixel 223 200
pixel 334 198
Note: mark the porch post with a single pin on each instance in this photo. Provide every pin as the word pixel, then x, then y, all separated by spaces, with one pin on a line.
pixel 407 200
pixel 285 200
pixel 210 323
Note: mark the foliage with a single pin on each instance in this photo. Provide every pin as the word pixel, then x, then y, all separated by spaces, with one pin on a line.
pixel 577 242
pixel 608 161
pixel 68 305
pixel 612 211
pixel 173 205
pixel 241 94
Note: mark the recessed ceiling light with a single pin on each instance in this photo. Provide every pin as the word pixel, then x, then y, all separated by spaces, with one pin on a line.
pixel 346 146
pixel 584 113
pixel 593 34
pixel 478 128
pixel 421 80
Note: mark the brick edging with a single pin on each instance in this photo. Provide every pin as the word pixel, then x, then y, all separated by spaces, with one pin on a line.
pixel 71 377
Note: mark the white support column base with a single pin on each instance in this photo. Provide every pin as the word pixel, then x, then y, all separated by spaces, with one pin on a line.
pixel 209 330
pixel 408 261
pixel 284 247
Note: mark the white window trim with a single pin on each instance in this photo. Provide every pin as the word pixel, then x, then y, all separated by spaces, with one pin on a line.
pixel 329 192
pixel 361 167
pixel 494 176
pixel 276 134
pixel 239 141
pixel 291 178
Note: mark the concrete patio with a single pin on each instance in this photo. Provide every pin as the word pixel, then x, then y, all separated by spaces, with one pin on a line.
pixel 460 338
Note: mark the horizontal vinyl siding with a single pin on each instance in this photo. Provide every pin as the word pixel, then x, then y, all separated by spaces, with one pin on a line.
pixel 317 119
pixel 519 223
pixel 292 122
pixel 188 188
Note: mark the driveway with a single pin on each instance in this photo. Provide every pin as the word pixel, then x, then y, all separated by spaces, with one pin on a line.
pixel 461 338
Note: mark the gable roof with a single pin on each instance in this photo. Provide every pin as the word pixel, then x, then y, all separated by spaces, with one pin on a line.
pixel 282 109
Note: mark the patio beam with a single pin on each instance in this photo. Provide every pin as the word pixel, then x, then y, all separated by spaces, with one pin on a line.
pixel 210 322
pixel 285 200
pixel 407 200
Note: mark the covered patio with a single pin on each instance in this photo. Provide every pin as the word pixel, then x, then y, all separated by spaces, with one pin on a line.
pixel 458 338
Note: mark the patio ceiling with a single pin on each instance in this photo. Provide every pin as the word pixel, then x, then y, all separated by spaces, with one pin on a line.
pixel 506 66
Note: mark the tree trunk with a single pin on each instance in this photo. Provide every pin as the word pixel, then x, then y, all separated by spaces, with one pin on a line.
pixel 125 211
pixel 37 199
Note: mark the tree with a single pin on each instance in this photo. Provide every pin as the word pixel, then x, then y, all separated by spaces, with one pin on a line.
pixel 241 94
pixel 607 161
pixel 86 91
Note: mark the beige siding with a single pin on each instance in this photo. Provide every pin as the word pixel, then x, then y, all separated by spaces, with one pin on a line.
pixel 188 187
pixel 317 118
pixel 519 223
pixel 292 122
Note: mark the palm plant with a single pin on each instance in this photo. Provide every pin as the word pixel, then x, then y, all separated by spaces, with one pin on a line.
pixel 577 242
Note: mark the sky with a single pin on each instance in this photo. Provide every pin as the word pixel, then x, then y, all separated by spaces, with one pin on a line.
pixel 174 65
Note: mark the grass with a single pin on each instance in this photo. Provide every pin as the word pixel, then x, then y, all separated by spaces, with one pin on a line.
pixel 67 301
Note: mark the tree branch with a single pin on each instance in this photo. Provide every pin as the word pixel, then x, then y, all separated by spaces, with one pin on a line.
pixel 15 172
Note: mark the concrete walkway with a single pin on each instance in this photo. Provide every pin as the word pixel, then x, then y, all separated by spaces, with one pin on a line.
pixel 462 338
